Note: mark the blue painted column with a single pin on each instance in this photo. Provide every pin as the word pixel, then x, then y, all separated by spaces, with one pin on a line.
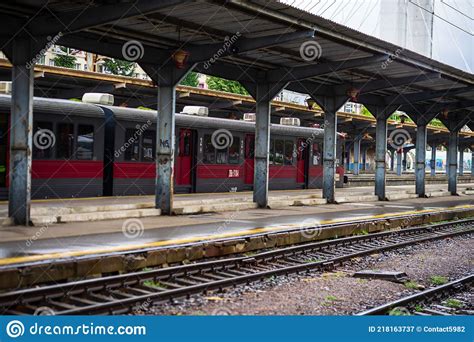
pixel 461 161
pixel 433 160
pixel 21 126
pixel 399 162
pixel 420 167
pixel 357 155
pixel 452 162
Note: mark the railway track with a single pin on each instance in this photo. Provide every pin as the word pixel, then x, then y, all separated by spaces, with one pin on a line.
pixel 120 293
pixel 454 298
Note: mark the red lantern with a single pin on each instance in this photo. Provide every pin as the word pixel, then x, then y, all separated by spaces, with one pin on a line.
pixel 180 57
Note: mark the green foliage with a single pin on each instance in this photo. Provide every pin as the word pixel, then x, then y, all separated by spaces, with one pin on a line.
pixel 75 99
pixel 65 61
pixel 155 284
pixel 191 80
pixel 399 312
pixel 413 285
pixel 437 123
pixel 438 280
pixel 119 67
pixel 364 111
pixel 454 303
pixel 221 84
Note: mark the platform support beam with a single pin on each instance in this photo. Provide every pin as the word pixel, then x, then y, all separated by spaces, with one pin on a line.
pixel 452 162
pixel 330 105
pixel 21 126
pixel 420 166
pixel 404 162
pixel 381 114
pixel 392 159
pixel 399 162
pixel 357 142
pixel 433 160
pixel 461 160
pixel 364 158
pixel 472 162
pixel 167 76
pixel 263 92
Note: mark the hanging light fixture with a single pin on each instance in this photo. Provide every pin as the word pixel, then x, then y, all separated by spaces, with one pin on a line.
pixel 353 93
pixel 445 113
pixel 180 57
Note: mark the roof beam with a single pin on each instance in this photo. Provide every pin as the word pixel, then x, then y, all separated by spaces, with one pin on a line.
pixel 95 16
pixel 211 52
pixel 451 106
pixel 376 85
pixel 307 71
pixel 425 96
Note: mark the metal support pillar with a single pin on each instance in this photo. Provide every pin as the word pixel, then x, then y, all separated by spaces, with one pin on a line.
pixel 461 161
pixel 364 158
pixel 263 92
pixel 399 162
pixel 21 125
pixel 392 159
pixel 472 163
pixel 381 114
pixel 262 145
pixel 433 160
pixel 380 152
pixel 330 105
pixel 167 77
pixel 420 160
pixel 356 155
pixel 452 162
pixel 404 163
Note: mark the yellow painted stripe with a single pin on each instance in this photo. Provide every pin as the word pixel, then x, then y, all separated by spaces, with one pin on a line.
pixel 258 230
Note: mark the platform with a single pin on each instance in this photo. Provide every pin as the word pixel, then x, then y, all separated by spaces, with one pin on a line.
pixel 19 245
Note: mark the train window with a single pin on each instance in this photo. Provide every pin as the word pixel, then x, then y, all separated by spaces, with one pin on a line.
pixel 85 142
pixel 209 152
pixel 148 145
pixel 289 150
pixel 234 151
pixel 221 156
pixel 186 144
pixel 132 145
pixel 64 140
pixel 279 152
pixel 317 154
pixel 43 140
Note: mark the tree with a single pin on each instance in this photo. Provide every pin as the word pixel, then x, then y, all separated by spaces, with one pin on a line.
pixel 191 80
pixel 65 61
pixel 221 84
pixel 65 57
pixel 119 67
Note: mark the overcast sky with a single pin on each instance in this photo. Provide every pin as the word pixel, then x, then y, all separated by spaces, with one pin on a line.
pixel 453 27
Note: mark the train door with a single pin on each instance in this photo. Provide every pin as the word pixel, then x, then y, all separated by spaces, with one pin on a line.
pixel 302 165
pixel 4 155
pixel 249 158
pixel 185 160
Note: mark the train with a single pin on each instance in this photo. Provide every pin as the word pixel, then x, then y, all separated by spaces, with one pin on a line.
pixel 83 149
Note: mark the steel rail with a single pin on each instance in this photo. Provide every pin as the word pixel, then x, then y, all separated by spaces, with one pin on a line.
pixel 428 295
pixel 117 294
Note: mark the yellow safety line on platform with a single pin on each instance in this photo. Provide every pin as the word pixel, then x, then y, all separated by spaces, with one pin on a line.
pixel 32 258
